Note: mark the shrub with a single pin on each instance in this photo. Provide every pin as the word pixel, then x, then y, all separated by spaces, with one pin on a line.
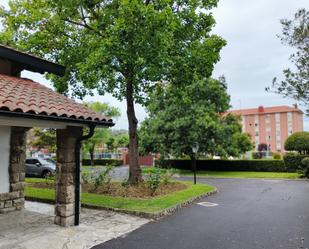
pixel 103 162
pixel 276 156
pixel 299 141
pixel 86 177
pixel 168 175
pixel 305 167
pixel 153 180
pixel 228 165
pixel 256 155
pixel 293 162
pixel 103 178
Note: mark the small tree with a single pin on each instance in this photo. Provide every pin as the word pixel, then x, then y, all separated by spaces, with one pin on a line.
pixel 43 139
pixel 299 141
pixel 101 135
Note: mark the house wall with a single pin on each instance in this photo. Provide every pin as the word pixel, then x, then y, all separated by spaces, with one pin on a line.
pixel 5 132
pixel 13 199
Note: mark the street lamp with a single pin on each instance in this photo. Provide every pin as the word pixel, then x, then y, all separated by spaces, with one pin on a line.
pixel 195 147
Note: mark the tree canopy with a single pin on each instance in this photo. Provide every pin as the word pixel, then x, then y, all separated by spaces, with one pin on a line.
pixel 101 135
pixel 180 117
pixel 299 141
pixel 120 47
pixel 295 33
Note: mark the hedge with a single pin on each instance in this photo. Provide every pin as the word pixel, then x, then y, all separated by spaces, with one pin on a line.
pixel 293 162
pixel 227 165
pixel 103 162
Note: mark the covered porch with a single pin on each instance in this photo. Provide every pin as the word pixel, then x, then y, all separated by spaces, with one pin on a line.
pixel 25 104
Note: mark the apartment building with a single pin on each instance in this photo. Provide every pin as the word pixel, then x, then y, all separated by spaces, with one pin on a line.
pixel 271 125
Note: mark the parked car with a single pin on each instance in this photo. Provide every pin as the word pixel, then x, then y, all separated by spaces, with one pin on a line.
pixel 40 167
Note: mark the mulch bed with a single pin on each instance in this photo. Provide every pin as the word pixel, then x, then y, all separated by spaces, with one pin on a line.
pixel 116 189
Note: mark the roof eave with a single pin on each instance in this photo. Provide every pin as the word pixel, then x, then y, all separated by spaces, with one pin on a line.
pixel 56 119
pixel 30 62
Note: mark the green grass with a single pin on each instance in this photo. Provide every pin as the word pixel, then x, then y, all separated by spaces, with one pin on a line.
pixel 152 205
pixel 36 180
pixel 243 174
pixel 233 174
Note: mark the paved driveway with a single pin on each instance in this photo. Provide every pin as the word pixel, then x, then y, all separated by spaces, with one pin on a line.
pixel 252 214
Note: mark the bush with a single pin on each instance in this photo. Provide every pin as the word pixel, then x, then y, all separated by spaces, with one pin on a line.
pixel 305 167
pixel 276 156
pixel 293 162
pixel 153 180
pixel 299 141
pixel 228 165
pixel 103 162
pixel 257 155
pixel 103 179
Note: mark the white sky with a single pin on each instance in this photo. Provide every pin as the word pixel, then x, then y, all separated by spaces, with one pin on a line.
pixel 252 58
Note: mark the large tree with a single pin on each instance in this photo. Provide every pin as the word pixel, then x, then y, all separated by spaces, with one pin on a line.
pixel 295 33
pixel 101 135
pixel 180 117
pixel 117 46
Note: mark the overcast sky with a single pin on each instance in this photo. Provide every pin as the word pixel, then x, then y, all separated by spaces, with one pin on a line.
pixel 252 58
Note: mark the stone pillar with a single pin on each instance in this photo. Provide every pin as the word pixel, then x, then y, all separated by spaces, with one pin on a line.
pixel 65 177
pixel 15 199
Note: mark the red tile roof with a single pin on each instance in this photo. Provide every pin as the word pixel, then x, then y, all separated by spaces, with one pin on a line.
pixel 26 96
pixel 265 110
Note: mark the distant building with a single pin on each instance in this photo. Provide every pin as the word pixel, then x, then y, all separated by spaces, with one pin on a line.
pixel 271 125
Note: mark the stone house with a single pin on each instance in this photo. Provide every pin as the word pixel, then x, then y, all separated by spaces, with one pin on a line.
pixel 25 104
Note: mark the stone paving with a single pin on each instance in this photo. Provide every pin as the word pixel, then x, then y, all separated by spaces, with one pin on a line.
pixel 34 228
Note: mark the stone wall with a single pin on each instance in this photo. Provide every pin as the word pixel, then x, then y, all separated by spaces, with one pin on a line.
pixel 14 200
pixel 65 182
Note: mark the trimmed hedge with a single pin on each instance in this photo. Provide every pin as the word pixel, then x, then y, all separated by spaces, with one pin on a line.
pixel 293 162
pixel 227 165
pixel 103 162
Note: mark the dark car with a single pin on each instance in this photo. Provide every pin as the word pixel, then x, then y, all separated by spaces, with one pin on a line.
pixel 40 167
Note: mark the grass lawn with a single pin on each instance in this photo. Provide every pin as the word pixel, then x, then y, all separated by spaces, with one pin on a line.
pixel 243 174
pixel 152 205
pixel 235 174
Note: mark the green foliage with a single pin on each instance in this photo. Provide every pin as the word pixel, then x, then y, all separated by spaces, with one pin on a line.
pixel 103 178
pixel 256 155
pixel 295 34
pixel 103 108
pixel 86 177
pixel 101 135
pixel 293 162
pixel 181 116
pixel 120 47
pixel 43 139
pixel 277 156
pixel 168 175
pixel 153 180
pixel 305 167
pixel 103 162
pixel 228 165
pixel 299 141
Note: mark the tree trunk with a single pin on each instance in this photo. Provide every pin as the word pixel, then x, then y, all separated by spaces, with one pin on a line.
pixel 91 152
pixel 135 175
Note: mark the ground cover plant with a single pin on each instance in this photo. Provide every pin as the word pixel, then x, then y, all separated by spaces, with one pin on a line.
pixel 147 205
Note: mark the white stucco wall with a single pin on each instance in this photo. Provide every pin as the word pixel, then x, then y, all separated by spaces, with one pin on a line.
pixel 5 132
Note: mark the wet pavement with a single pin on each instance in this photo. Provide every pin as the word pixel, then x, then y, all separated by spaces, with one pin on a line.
pixel 250 214
pixel 34 228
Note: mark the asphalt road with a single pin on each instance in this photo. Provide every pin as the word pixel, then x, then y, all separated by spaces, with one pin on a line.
pixel 252 214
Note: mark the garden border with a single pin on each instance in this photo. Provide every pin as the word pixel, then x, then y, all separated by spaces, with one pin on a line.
pixel 155 216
